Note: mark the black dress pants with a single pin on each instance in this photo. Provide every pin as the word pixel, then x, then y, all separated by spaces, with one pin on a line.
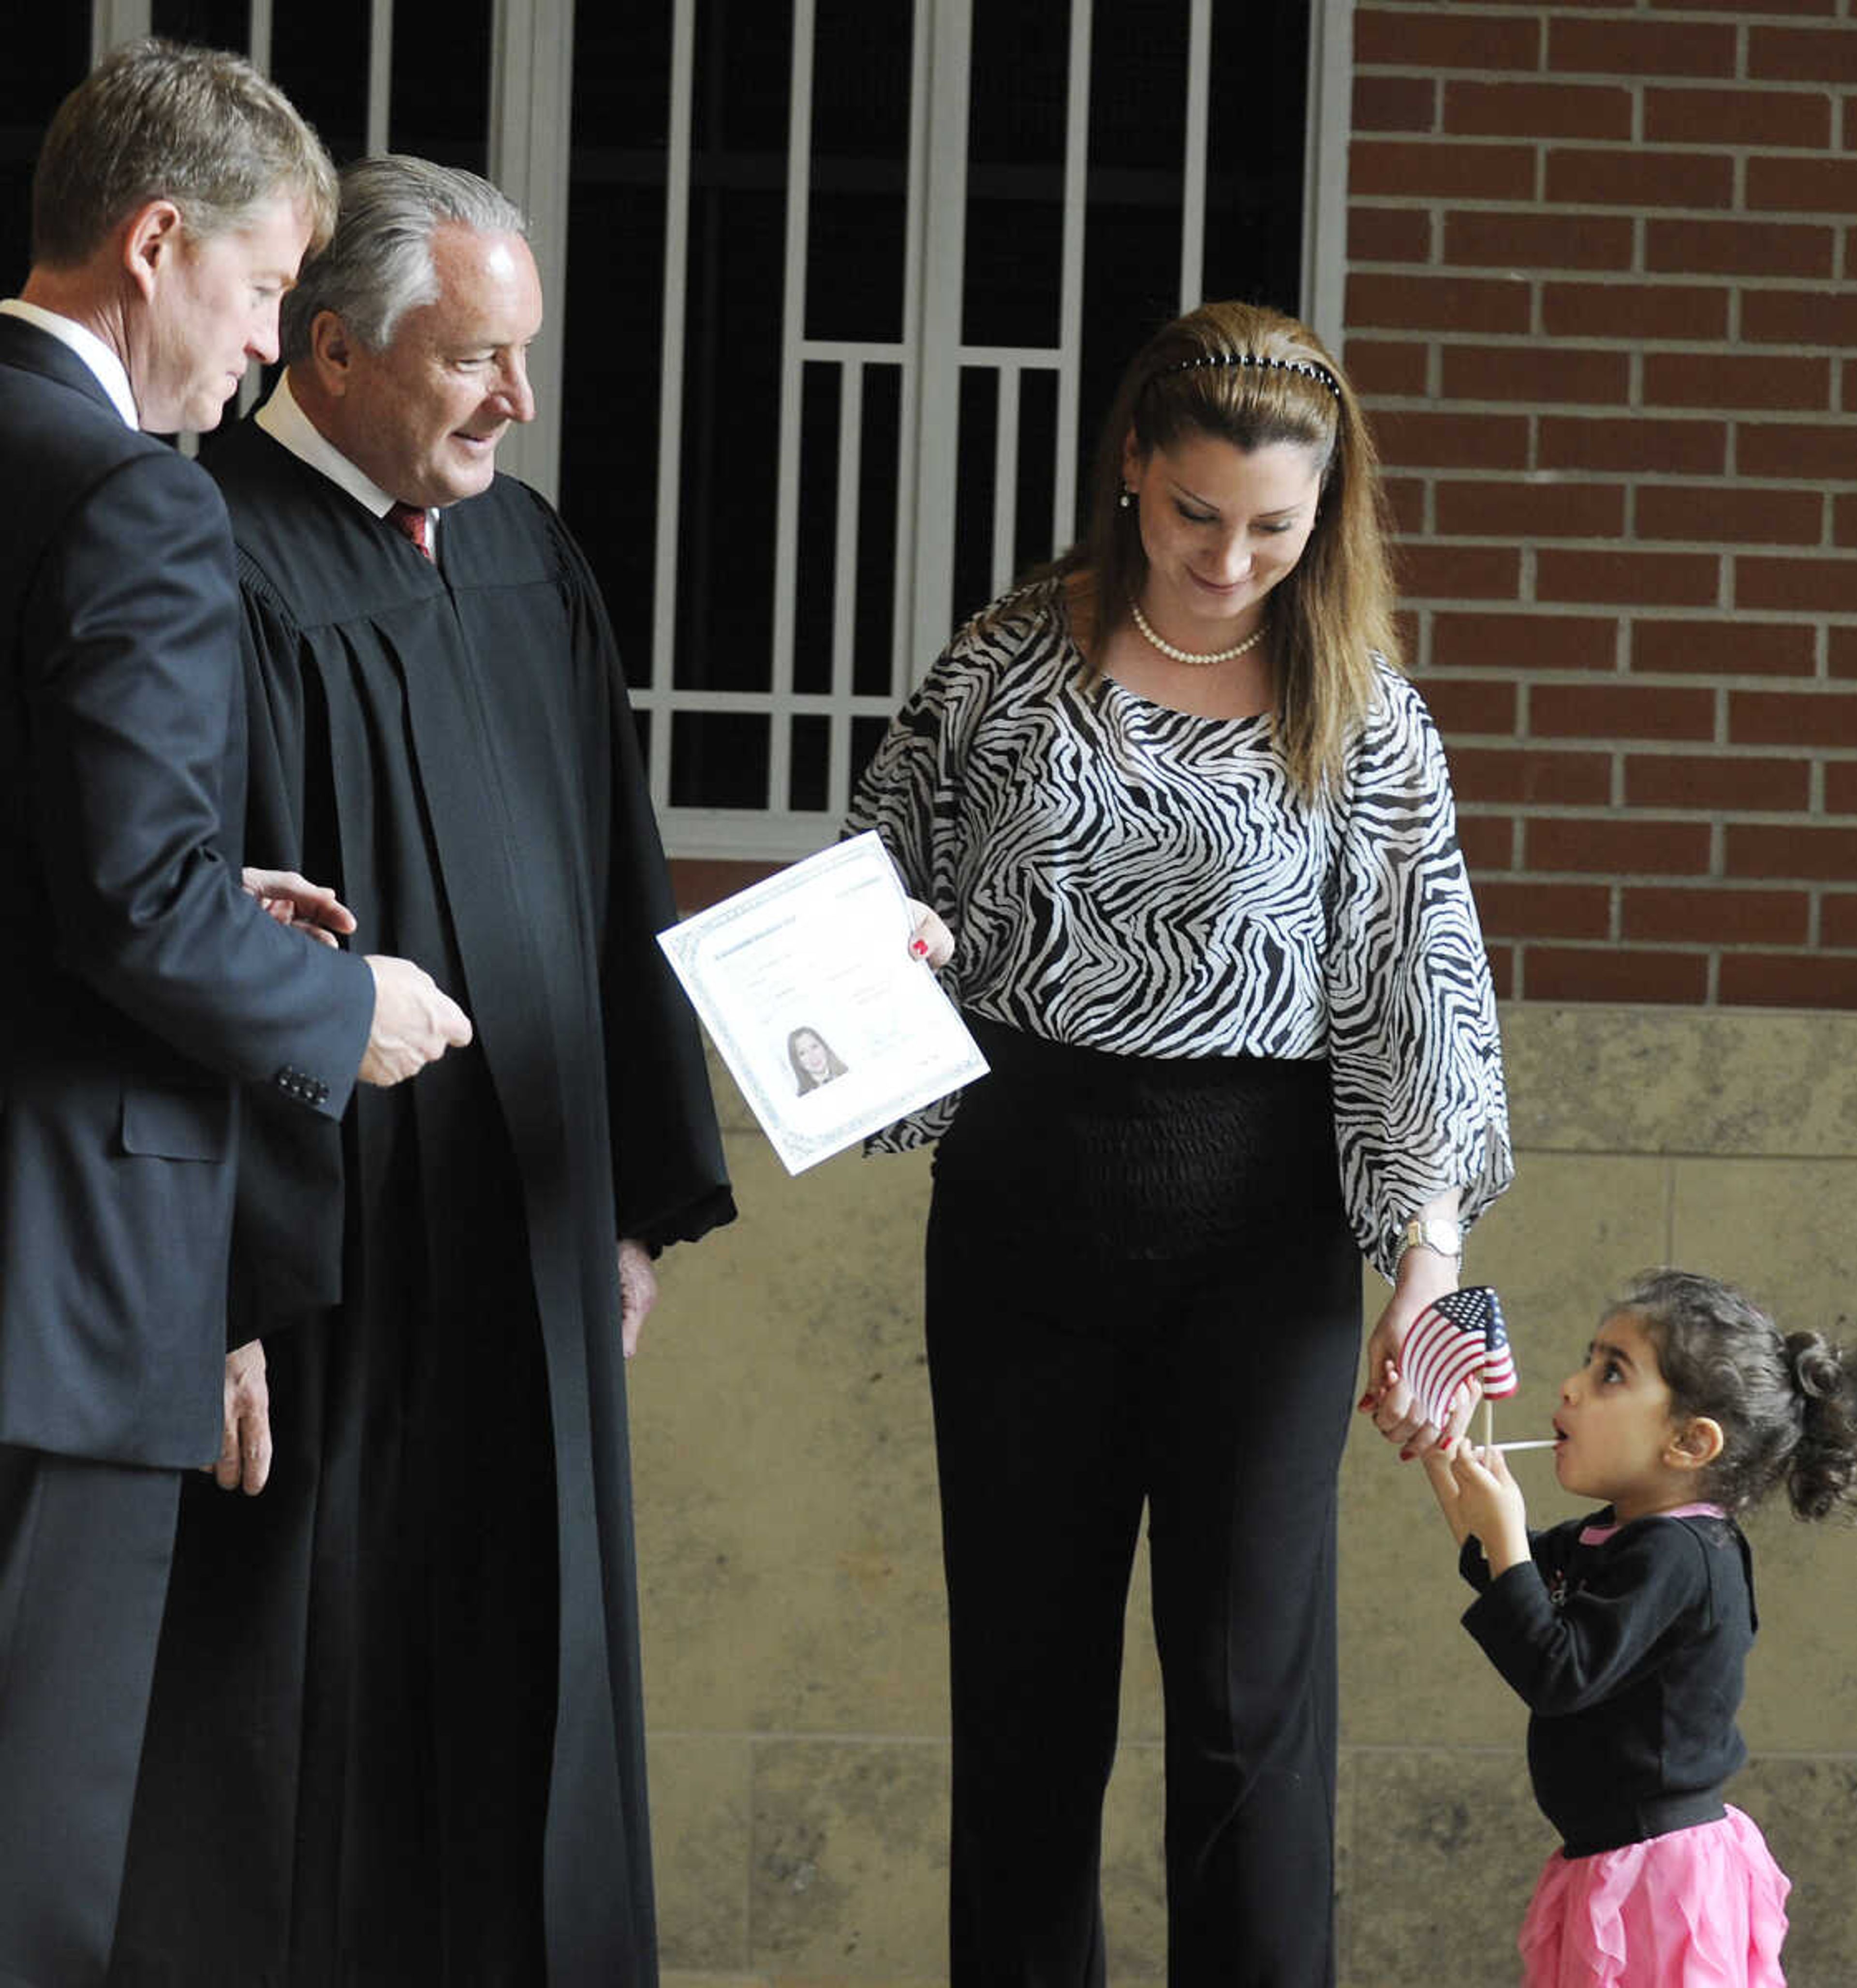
pixel 84 1554
pixel 1069 1392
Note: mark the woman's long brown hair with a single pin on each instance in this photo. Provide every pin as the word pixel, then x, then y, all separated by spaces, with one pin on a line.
pixel 1334 611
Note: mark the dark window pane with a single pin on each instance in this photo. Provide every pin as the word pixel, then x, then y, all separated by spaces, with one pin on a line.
pixel 1137 94
pixel 16 222
pixel 731 412
pixel 440 104
pixel 609 433
pixel 1137 190
pixel 860 172
pixel 877 504
pixel 719 759
pixel 614 306
pixel 1254 191
pixel 47 54
pixel 1017 113
pixel 213 24
pixel 319 55
pixel 1037 469
pixel 808 790
pixel 867 736
pixel 744 59
pixel 731 442
pixel 621 78
pixel 1015 264
pixel 820 426
pixel 854 254
pixel 860 80
pixel 973 550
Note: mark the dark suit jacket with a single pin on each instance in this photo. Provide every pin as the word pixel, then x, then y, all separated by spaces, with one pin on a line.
pixel 138 985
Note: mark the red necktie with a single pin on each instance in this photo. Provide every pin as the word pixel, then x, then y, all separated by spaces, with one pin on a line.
pixel 409 520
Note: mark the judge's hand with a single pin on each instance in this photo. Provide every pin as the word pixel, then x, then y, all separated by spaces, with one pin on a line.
pixel 931 941
pixel 245 1446
pixel 415 1022
pixel 312 909
pixel 638 1291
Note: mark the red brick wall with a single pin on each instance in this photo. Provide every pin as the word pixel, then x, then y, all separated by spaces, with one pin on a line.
pixel 1602 303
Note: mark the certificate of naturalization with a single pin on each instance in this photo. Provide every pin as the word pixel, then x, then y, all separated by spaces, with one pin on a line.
pixel 806 983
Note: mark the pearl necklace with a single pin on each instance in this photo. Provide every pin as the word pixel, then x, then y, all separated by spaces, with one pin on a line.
pixel 1198 662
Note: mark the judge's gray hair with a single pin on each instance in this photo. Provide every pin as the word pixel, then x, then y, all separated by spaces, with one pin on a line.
pixel 378 264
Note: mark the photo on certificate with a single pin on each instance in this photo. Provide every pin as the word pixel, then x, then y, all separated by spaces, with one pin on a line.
pixel 807 986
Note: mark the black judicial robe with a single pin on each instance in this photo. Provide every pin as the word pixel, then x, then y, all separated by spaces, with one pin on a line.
pixel 397 1733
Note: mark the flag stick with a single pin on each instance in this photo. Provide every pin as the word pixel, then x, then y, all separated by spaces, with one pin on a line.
pixel 1489 1423
pixel 1535 1442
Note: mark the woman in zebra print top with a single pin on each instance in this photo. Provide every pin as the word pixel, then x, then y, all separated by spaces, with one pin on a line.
pixel 1193 834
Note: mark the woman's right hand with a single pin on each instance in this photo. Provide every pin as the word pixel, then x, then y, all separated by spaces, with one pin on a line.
pixel 931 942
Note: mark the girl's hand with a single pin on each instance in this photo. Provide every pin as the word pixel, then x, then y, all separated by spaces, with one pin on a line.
pixel 1489 1503
pixel 1443 1481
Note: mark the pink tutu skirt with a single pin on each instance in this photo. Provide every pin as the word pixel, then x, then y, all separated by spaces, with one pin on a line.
pixel 1700 1908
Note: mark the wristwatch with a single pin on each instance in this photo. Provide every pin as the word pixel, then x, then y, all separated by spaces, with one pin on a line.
pixel 1433 1233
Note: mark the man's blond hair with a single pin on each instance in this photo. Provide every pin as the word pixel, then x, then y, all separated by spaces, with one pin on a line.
pixel 155 120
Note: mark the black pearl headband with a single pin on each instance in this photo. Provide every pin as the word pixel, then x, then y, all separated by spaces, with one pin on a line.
pixel 1308 369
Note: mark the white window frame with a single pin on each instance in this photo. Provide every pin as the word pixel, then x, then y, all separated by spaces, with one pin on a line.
pixel 932 360
pixel 529 156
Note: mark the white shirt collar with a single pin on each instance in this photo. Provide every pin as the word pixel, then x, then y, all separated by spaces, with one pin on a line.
pixel 281 418
pixel 112 375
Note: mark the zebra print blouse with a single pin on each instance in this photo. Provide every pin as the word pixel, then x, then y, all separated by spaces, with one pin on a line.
pixel 1125 876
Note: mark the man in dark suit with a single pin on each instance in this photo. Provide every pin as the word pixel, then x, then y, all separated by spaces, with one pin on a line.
pixel 175 194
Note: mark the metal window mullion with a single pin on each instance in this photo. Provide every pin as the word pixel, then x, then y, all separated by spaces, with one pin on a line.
pixel 379 77
pixel 529 157
pixel 937 329
pixel 844 569
pixel 257 37
pixel 759 703
pixel 258 48
pixel 1070 316
pixel 671 386
pixel 793 382
pixel 904 633
pixel 1192 204
pixel 112 22
pixel 1006 476
pixel 839 351
pixel 1324 268
pixel 1023 358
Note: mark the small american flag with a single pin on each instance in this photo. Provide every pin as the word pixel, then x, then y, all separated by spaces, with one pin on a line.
pixel 1458 1338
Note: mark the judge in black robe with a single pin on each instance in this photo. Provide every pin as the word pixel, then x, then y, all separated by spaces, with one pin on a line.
pixel 406 1746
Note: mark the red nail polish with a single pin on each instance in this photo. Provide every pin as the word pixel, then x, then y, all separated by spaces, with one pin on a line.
pixel 1365 1402
pixel 920 948
pixel 1405 1456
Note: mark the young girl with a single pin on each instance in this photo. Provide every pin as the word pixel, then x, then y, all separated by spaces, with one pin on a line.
pixel 1625 1633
